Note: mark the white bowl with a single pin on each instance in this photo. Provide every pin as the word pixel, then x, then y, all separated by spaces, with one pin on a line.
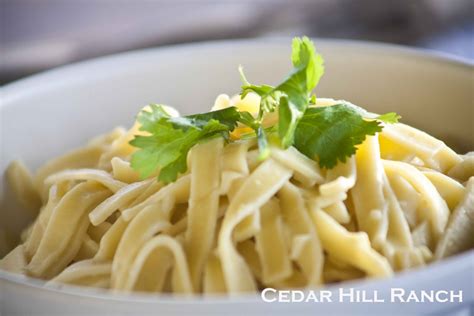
pixel 50 113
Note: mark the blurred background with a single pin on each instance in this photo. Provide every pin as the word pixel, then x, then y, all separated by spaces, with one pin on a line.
pixel 41 34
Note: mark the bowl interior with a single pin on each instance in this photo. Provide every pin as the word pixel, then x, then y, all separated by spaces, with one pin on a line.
pixel 50 113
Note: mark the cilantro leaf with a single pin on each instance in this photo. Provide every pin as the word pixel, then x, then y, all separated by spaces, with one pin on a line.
pixel 228 116
pixel 292 96
pixel 170 172
pixel 298 86
pixel 171 138
pixel 390 117
pixel 330 134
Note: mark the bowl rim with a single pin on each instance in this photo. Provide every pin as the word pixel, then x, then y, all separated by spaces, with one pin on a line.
pixel 403 50
pixel 11 90
pixel 446 266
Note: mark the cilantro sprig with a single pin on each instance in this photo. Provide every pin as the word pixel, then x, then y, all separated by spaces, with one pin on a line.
pixel 171 138
pixel 326 134
pixel 330 134
pixel 292 96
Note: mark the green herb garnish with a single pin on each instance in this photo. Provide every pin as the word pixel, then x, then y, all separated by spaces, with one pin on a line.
pixel 171 138
pixel 325 134
pixel 331 133
pixel 389 118
pixel 292 96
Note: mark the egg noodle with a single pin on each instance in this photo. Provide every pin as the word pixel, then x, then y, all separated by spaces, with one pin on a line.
pixel 233 223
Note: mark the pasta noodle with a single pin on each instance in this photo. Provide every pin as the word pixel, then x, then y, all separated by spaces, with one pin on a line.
pixel 236 223
pixel 23 186
pixel 203 205
pixel 58 247
pixel 367 194
pixel 271 245
pixel 436 210
pixel 213 277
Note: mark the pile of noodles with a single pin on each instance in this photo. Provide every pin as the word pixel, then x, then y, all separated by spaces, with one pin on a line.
pixel 233 223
